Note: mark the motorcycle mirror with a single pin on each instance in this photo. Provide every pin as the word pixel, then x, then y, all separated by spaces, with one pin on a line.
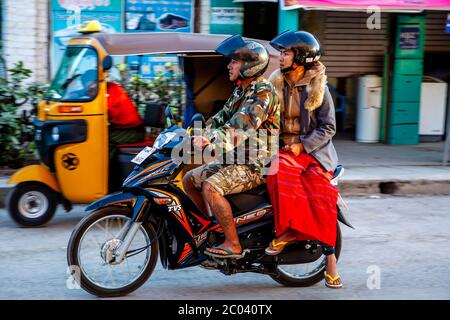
pixel 169 116
pixel 198 117
pixel 107 63
pixel 168 113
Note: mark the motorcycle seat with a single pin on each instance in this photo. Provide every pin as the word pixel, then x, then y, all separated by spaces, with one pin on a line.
pixel 260 190
pixel 248 200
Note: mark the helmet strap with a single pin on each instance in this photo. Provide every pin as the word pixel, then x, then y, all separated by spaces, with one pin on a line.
pixel 292 67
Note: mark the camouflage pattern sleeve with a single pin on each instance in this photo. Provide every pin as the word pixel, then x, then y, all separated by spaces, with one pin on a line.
pixel 218 119
pixel 253 111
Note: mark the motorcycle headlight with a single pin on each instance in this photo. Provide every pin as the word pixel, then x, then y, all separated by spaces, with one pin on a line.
pixel 55 134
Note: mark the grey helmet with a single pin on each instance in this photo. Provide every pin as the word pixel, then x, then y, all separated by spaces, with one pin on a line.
pixel 253 54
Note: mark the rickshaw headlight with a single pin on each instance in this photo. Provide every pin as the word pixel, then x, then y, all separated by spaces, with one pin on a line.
pixel 55 134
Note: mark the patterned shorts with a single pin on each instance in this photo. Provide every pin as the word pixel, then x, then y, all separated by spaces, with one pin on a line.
pixel 227 179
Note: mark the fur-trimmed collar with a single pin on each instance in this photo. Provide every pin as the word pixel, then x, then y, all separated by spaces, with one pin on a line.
pixel 315 80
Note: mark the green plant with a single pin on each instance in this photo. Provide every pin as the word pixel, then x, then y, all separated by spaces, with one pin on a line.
pixel 18 102
pixel 165 89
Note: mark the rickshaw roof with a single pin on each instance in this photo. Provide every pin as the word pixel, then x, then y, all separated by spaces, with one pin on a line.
pixel 163 42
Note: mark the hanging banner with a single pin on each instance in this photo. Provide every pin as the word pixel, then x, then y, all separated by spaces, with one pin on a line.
pixel 364 4
pixel 67 15
pixel 159 15
pixel 87 5
pixel 237 1
pixel 227 17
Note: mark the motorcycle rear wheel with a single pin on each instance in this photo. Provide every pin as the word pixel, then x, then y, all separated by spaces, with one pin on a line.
pixel 79 271
pixel 317 275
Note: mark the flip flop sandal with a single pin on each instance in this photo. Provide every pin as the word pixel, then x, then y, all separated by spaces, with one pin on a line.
pixel 275 248
pixel 332 279
pixel 229 253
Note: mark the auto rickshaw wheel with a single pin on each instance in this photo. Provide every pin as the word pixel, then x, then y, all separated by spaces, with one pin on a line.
pixel 32 204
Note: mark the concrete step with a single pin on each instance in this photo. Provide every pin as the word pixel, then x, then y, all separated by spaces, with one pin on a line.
pixel 400 180
pixel 363 181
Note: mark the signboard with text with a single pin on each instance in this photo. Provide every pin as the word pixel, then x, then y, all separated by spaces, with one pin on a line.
pixel 364 4
pixel 409 38
pixel 67 15
pixel 158 16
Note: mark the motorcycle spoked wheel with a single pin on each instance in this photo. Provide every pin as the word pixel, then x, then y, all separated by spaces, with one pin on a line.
pixel 79 273
pixel 317 275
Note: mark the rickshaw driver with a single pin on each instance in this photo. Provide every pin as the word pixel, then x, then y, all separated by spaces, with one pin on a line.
pixel 125 122
pixel 125 126
pixel 252 105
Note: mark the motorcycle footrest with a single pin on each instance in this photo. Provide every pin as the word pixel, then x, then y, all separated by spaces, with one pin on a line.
pixel 221 260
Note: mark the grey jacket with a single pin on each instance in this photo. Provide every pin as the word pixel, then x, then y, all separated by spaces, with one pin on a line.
pixel 317 116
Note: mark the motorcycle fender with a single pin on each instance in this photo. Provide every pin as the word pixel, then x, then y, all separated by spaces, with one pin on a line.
pixel 38 173
pixel 163 249
pixel 342 218
pixel 113 199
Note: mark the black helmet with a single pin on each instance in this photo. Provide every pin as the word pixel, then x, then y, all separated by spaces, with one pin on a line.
pixel 305 46
pixel 254 55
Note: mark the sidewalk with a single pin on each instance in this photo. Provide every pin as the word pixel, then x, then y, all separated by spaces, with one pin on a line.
pixel 377 168
pixel 373 169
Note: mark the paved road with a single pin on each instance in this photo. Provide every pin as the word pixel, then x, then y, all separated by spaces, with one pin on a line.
pixel 404 239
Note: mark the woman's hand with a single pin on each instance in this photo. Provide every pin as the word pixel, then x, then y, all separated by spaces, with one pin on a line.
pixel 296 148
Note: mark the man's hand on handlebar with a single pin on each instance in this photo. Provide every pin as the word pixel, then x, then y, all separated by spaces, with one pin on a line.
pixel 200 142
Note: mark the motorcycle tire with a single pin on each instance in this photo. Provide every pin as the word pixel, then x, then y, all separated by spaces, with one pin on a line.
pixel 289 281
pixel 73 259
pixel 31 204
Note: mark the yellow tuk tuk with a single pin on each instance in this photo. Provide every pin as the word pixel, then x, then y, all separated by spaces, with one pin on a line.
pixel 71 131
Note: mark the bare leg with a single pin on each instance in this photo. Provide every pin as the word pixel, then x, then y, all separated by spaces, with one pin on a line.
pixel 278 244
pixel 194 194
pixel 331 269
pixel 222 211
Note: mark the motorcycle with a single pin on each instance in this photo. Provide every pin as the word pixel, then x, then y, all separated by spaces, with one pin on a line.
pixel 114 249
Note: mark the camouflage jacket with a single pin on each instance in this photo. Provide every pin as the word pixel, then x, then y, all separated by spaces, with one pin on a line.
pixel 248 125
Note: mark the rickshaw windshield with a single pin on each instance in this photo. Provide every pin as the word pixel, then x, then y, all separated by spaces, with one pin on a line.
pixel 77 76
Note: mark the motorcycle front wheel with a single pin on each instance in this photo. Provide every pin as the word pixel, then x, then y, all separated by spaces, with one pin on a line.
pixel 307 274
pixel 90 250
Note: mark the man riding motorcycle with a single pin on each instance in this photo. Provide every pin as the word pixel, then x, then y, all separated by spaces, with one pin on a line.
pixel 115 248
pixel 253 105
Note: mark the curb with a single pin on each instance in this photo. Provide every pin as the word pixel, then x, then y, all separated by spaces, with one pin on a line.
pixel 394 187
pixel 3 194
pixel 355 188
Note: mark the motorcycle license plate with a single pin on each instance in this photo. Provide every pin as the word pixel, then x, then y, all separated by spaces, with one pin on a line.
pixel 144 154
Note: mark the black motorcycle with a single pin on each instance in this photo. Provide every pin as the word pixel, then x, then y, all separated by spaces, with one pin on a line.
pixel 114 249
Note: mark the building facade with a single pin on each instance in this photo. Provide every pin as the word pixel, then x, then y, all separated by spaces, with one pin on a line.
pixel 25 36
pixel 355 43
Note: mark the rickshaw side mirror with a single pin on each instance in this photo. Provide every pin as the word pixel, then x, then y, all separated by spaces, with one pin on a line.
pixel 107 63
